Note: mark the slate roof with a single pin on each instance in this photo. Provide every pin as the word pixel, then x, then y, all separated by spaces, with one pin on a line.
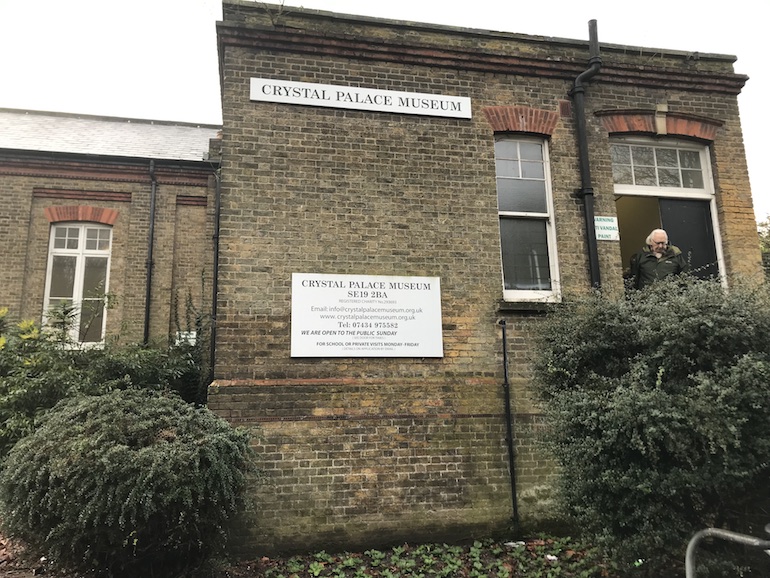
pixel 104 136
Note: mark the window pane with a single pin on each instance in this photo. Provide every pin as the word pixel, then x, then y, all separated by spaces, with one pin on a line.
pixel 690 159
pixel 525 254
pixel 60 237
pixel 643 156
pixel 692 179
pixel 63 276
pixel 97 239
pixel 105 237
pixel 666 157
pixel 669 177
pixel 506 149
pixel 66 237
pixel 621 154
pixel 621 175
pixel 645 176
pixel 532 170
pixel 73 237
pixel 507 168
pixel 94 277
pixel 521 196
pixel 91 319
pixel 531 151
pixel 91 235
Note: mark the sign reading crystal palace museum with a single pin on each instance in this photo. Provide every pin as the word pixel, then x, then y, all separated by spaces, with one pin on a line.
pixel 355 98
pixel 365 316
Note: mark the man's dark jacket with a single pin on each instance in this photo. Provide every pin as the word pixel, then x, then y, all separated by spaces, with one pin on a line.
pixel 646 268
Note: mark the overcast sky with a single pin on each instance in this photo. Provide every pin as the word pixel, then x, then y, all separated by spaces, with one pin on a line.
pixel 157 59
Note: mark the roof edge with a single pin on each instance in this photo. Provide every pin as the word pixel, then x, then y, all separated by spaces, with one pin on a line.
pixel 109 118
pixel 279 9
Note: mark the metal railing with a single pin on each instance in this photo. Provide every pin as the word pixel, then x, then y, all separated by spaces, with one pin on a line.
pixel 689 561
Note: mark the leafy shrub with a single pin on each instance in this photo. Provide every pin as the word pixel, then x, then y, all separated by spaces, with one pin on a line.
pixel 36 372
pixel 130 483
pixel 192 383
pixel 134 365
pixel 656 404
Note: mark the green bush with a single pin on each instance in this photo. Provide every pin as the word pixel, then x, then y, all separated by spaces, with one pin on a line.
pixel 130 483
pixel 37 371
pixel 656 404
pixel 173 368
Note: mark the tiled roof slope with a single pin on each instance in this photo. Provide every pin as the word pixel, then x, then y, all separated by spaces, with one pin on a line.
pixel 104 136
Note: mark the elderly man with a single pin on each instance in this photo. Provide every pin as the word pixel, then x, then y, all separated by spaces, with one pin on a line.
pixel 656 261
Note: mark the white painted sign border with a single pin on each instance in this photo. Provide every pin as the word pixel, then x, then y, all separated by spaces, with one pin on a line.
pixel 357 98
pixel 365 316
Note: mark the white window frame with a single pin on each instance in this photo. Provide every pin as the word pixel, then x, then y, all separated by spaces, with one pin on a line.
pixel 80 253
pixel 707 193
pixel 552 295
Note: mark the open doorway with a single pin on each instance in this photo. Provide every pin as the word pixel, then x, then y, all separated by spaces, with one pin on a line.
pixel 688 223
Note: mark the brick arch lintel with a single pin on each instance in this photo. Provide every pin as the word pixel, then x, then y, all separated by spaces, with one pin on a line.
pixel 81 213
pixel 521 119
pixel 659 123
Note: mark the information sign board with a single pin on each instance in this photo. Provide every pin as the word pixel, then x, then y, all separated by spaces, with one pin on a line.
pixel 365 316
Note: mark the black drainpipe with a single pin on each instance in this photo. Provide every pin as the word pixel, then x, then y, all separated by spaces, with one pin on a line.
pixel 509 429
pixel 149 264
pixel 586 192
pixel 215 281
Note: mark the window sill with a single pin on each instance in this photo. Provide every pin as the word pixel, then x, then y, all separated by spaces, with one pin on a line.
pixel 525 306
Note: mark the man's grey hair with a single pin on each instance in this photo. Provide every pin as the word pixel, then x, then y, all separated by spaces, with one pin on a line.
pixel 652 234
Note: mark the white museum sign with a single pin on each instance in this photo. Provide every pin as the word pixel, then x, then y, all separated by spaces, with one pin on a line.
pixel 365 316
pixel 355 98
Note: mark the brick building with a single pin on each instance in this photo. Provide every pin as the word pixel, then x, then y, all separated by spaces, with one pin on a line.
pixel 372 168
pixel 88 203
pixel 391 197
